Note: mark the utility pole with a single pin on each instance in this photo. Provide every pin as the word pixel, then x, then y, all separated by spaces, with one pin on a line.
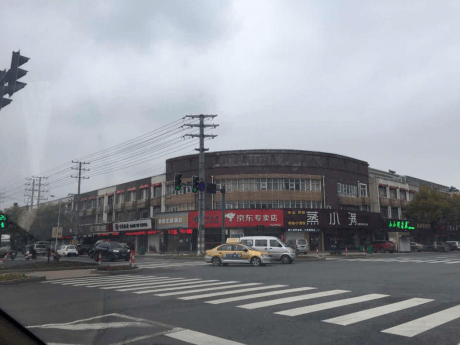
pixel 222 190
pixel 80 169
pixel 32 190
pixel 40 189
pixel 201 174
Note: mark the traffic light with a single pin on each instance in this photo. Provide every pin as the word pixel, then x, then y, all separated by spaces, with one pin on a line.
pixel 177 181
pixel 16 73
pixel 3 221
pixel 3 90
pixel 211 188
pixel 195 181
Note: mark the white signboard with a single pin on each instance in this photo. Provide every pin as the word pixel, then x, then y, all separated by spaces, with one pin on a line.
pixel 57 232
pixel 144 224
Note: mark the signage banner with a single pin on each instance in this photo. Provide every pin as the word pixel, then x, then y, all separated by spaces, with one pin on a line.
pixel 239 218
pixel 302 230
pixel 135 233
pixel 172 220
pixel 400 224
pixel 57 232
pixel 330 218
pixel 95 228
pixel 144 224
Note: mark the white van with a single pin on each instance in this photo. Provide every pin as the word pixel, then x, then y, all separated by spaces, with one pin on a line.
pixel 270 244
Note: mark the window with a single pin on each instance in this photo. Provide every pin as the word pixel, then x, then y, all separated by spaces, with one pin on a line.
pixel 121 217
pixel 120 198
pixel 392 193
pixel 156 210
pixel 365 208
pixel 238 248
pixel 100 202
pixel 316 185
pixel 362 189
pixel 157 191
pixel 93 203
pixel 394 213
pixel 131 195
pixel 382 191
pixel 411 196
pixel 110 200
pixel 275 244
pixel 226 247
pixel 308 185
pixel 144 214
pixel 402 195
pixel 217 205
pixel 247 242
pixel 252 204
pixel 384 211
pixel 260 243
pixel 317 204
pixel 347 190
pixel 97 218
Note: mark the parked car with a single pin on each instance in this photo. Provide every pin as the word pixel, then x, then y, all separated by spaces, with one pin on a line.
pixel 237 253
pixel 440 247
pixel 416 247
pixel 272 245
pixel 383 246
pixel 68 250
pixel 455 244
pixel 299 245
pixel 111 251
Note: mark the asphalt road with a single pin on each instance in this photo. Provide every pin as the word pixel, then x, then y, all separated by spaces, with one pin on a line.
pixel 393 298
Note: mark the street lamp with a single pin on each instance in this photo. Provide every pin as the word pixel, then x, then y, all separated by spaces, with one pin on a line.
pixel 59 217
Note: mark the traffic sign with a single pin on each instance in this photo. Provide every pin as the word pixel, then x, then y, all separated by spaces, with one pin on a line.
pixel 201 186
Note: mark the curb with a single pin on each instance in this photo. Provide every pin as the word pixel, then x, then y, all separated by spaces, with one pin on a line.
pixel 322 258
pixel 108 273
pixel 23 280
pixel 47 269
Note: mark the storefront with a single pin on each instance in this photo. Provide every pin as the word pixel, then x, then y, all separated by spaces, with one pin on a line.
pixel 89 234
pixel 238 223
pixel 134 233
pixel 323 227
pixel 174 232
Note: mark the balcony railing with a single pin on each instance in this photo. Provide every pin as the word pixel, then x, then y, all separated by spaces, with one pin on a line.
pixel 118 207
pixel 385 202
pixel 99 210
pixel 108 208
pixel 395 203
pixel 344 200
pixel 141 204
pixel 129 205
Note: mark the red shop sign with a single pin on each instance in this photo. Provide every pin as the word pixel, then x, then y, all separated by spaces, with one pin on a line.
pixel 135 233
pixel 153 232
pixel 132 188
pixel 238 218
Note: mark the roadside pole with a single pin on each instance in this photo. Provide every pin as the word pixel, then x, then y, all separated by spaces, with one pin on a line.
pixel 222 190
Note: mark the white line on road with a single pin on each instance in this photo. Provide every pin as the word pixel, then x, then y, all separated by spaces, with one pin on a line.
pixel 192 286
pixel 127 281
pixel 58 281
pixel 452 262
pixel 206 289
pixel 168 282
pixel 158 285
pixel 214 294
pixel 375 312
pixel 102 279
pixel 198 338
pixel 330 305
pixel 258 295
pixel 257 305
pixel 423 324
pixel 175 265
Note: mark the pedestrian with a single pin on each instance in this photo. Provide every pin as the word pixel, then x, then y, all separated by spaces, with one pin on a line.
pixel 162 248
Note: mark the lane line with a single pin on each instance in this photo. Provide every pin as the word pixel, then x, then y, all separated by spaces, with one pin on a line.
pixel 199 338
pixel 258 295
pixel 125 282
pixel 452 262
pixel 156 285
pixel 184 287
pixel 423 324
pixel 213 294
pixel 330 305
pixel 105 279
pixel 206 289
pixel 278 301
pixel 159 284
pixel 59 281
pixel 359 316
pixel 172 286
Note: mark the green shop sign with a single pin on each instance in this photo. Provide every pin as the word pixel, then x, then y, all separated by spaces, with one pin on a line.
pixel 400 224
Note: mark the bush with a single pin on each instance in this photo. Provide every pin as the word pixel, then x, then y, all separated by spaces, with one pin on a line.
pixel 12 276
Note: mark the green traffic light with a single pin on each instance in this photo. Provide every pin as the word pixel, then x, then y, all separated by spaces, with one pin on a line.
pixel 177 187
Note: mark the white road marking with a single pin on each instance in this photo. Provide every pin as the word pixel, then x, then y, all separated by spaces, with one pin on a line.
pixel 423 324
pixel 198 338
pixel 278 301
pixel 206 289
pixel 171 282
pixel 452 262
pixel 330 305
pixel 214 294
pixel 147 286
pixel 102 325
pixel 105 279
pixel 59 281
pixel 378 311
pixel 128 281
pixel 258 295
pixel 174 265
pixel 192 286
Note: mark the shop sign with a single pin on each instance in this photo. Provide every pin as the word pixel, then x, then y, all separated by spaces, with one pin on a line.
pixel 95 228
pixel 144 224
pixel 156 184
pixel 135 233
pixel 180 231
pixel 172 220
pixel 302 230
pixel 329 218
pixel 400 224
pixel 153 232
pixel 239 218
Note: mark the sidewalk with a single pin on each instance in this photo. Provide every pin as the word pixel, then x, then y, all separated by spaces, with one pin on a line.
pixel 51 275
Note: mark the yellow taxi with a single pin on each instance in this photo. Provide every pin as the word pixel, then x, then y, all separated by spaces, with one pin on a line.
pixel 233 252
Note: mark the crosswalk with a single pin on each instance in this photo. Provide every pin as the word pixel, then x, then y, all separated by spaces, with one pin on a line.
pixel 288 301
pixel 170 264
pixel 448 260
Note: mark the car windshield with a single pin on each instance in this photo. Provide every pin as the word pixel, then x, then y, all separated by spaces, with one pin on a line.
pixel 115 245
pixel 40 246
pixel 71 247
pixel 301 242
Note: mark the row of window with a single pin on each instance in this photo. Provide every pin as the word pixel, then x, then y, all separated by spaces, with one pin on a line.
pixel 270 204
pixel 350 190
pixel 403 195
pixel 142 194
pixel 365 208
pixel 394 213
pixel 254 184
pixel 189 206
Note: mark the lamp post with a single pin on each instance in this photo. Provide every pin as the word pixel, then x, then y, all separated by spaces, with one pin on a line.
pixel 57 230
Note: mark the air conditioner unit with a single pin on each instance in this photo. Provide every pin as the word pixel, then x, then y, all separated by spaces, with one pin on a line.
pixel 263 185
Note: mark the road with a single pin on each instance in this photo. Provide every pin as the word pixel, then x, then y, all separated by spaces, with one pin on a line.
pixel 381 299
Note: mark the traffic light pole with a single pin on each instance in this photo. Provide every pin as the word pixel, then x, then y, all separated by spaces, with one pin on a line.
pixel 201 176
pixel 222 190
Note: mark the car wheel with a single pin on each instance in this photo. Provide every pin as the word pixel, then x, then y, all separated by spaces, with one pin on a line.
pixel 285 259
pixel 215 261
pixel 96 257
pixel 255 261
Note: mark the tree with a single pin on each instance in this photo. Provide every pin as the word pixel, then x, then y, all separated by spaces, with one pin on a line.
pixel 46 216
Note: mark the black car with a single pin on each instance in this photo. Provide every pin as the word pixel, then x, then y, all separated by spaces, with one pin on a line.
pixel 110 251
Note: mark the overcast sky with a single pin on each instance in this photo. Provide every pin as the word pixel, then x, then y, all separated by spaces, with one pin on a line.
pixel 373 80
